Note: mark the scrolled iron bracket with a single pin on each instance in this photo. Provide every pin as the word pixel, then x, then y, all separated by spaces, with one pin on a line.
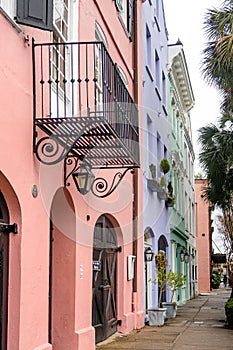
pixel 100 187
pixel 49 151
pixel 74 163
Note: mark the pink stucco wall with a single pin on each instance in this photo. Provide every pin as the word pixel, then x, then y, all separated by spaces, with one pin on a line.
pixel 74 215
pixel 202 237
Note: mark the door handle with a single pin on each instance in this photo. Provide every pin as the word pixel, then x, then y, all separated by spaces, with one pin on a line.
pixel 104 286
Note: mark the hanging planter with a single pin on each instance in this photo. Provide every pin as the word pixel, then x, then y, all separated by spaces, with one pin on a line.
pixel 153 185
pixel 170 201
pixel 162 194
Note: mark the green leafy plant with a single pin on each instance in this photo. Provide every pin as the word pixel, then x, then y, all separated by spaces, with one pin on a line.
pixel 215 280
pixel 170 201
pixel 176 280
pixel 164 166
pixel 166 279
pixel 163 182
pixel 161 275
pixel 229 311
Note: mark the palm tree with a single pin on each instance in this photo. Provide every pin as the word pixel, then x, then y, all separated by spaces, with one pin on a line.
pixel 218 54
pixel 217 140
pixel 216 156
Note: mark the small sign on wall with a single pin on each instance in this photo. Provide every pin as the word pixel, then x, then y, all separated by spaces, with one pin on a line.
pixel 96 265
pixel 130 266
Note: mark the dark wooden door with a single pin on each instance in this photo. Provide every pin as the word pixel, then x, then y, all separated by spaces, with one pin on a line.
pixel 4 266
pixel 104 313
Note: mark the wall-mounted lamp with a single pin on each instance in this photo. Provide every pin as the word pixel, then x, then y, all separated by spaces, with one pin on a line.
pixel 184 256
pixel 83 178
pixel 85 181
pixel 148 254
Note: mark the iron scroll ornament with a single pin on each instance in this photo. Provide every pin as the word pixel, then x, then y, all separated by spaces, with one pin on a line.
pixel 100 187
pixel 51 151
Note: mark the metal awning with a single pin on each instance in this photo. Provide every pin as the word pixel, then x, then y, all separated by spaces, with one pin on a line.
pixel 81 106
pixel 89 138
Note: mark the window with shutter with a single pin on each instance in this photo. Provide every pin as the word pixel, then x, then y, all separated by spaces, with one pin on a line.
pixel 35 13
pixel 130 17
pixel 125 9
pixel 119 5
pixel 60 70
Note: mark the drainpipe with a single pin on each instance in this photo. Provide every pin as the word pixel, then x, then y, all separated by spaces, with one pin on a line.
pixel 135 174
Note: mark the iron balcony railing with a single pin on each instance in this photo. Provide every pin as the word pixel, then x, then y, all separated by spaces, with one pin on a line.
pixel 82 104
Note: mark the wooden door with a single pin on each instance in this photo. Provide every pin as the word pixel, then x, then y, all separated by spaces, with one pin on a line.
pixel 4 266
pixel 104 313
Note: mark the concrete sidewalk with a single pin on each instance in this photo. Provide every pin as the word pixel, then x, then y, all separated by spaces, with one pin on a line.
pixel 199 324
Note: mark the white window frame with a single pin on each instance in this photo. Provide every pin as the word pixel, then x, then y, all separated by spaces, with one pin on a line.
pixel 99 37
pixel 9 6
pixel 59 63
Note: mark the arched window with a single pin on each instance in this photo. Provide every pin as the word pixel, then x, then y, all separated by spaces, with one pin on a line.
pixel 104 234
pixel 99 35
pixel 162 243
pixel 123 76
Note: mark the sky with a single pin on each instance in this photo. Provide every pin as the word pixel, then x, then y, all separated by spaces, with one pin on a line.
pixel 184 20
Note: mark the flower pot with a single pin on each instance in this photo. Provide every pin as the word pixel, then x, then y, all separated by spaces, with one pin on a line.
pixel 171 309
pixel 156 316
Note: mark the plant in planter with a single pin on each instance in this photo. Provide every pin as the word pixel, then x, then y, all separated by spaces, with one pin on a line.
pixel 215 280
pixel 170 201
pixel 157 315
pixel 164 167
pixel 229 312
pixel 175 281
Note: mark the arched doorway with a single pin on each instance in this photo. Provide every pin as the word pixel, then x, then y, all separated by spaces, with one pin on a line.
pixel 62 265
pixel 162 246
pixel 4 267
pixel 148 234
pixel 104 306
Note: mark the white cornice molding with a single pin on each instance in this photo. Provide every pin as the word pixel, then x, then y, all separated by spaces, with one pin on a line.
pixel 180 75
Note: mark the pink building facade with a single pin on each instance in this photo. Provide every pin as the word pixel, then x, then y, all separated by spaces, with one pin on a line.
pixel 203 236
pixel 72 267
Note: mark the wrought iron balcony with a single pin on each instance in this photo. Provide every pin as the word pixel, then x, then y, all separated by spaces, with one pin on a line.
pixel 82 107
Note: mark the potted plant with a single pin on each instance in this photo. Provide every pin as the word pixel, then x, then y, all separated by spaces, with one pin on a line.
pixel 215 280
pixel 164 167
pixel 229 312
pixel 157 315
pixel 170 200
pixel 175 281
